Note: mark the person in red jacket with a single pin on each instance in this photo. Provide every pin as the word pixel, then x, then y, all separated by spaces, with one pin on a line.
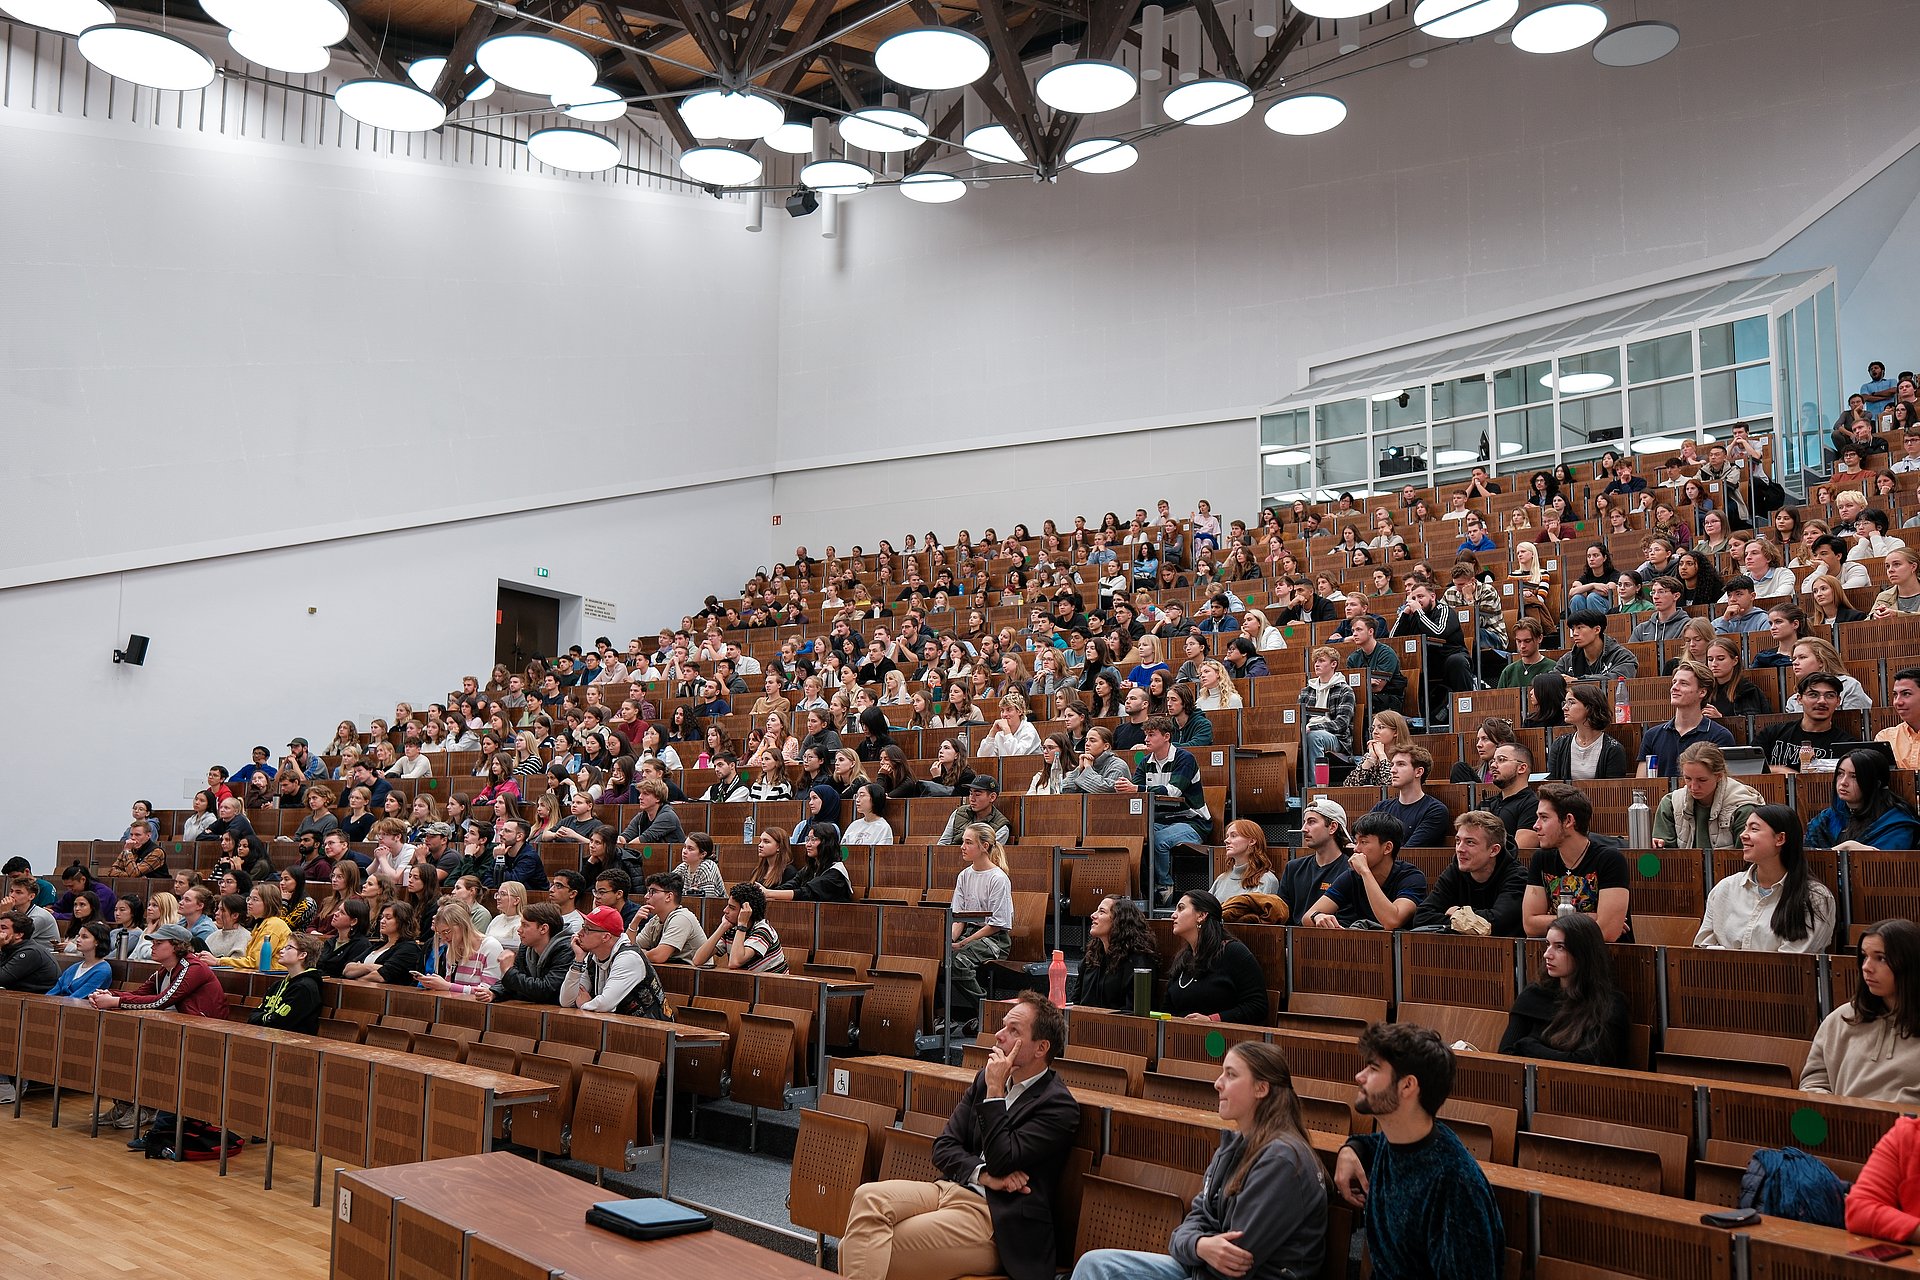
pixel 1885 1200
pixel 185 984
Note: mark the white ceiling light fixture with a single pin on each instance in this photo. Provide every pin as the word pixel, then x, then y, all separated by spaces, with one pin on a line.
pixel 1559 28
pixel 883 129
pixel 837 177
pixel 1102 155
pixel 386 104
pixel 743 117
pixel 792 138
pixel 1463 19
pixel 69 17
pixel 932 58
pixel 536 64
pixel 1289 457
pixel 270 51
pixel 1207 102
pixel 932 188
pixel 1306 114
pixel 994 142
pixel 1655 444
pixel 425 73
pixel 1454 457
pixel 596 103
pixel 308 22
pixel 1086 87
pixel 1337 8
pixel 1577 384
pixel 1510 447
pixel 719 166
pixel 149 58
pixel 575 150
pixel 1635 44
pixel 1381 397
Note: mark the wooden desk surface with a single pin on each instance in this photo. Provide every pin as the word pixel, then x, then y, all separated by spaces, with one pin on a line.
pixel 540 1214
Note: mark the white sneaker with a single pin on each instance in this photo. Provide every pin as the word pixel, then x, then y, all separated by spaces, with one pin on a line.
pixel 7 1095
pixel 122 1117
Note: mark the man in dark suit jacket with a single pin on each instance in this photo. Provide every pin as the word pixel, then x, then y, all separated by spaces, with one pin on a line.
pixel 1001 1153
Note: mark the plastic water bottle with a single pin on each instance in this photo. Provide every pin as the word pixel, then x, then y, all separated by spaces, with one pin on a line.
pixel 1639 823
pixel 1622 705
pixel 1057 981
pixel 747 830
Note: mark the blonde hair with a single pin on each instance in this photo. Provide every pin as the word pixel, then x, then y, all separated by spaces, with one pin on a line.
pixel 518 892
pixel 984 834
pixel 169 909
pixel 1252 623
pixel 1397 725
pixel 1225 676
pixel 466 937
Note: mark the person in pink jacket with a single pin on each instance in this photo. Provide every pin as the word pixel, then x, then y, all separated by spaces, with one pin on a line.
pixel 1885 1200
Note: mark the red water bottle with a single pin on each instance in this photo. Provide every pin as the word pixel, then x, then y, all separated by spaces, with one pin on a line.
pixel 1057 981
pixel 1622 706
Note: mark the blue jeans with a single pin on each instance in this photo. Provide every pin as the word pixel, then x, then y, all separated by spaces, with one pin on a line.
pixel 1126 1264
pixel 1165 837
pixel 1316 743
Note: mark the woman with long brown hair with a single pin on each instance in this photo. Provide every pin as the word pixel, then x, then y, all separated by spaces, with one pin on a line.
pixel 1251 870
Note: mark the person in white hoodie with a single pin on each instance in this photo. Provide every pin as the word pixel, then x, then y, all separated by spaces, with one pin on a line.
pixel 1012 735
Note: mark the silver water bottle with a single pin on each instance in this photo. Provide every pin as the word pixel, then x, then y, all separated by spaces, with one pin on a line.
pixel 1639 823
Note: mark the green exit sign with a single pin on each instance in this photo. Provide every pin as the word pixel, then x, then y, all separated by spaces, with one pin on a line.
pixel 539 573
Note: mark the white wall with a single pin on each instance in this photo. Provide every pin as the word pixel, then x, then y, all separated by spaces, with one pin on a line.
pixel 1486 185
pixel 1059 479
pixel 215 343
pixel 237 658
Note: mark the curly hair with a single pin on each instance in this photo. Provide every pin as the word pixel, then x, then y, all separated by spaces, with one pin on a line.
pixel 1131 936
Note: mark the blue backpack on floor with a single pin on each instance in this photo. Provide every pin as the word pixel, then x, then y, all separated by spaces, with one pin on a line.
pixel 1789 1183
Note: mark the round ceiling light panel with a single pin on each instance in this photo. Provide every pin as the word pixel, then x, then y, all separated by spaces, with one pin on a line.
pixel 932 58
pixel 1559 28
pixel 1463 19
pixel 145 57
pixel 1635 44
pixel 1306 114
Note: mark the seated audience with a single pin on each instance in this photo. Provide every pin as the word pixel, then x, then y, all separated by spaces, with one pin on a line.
pixel 294 1002
pixel 699 870
pixel 1251 867
pixel 230 935
pixel 1885 1199
pixel 1326 845
pixel 395 955
pixel 664 929
pixel 1866 813
pixel 1378 890
pixel 1481 890
pixel 1662 745
pixel 609 974
pixel 1119 941
pixel 1213 977
pixel 1775 904
pixel 1870 1046
pixel 1574 1013
pixel 1589 751
pixel 1574 869
pixel 462 959
pixel 984 887
pixel 93 971
pixel 1710 808
pixel 1424 819
pixel 824 876
pixel 1794 747
pixel 346 941
pixel 1262 1212
pixel 542 953
pixel 744 940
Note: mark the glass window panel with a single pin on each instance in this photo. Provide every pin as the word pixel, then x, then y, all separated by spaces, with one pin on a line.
pixel 1391 413
pixel 1340 419
pixel 1283 477
pixel 1584 372
pixel 1340 465
pixel 1662 409
pixel 1465 441
pixel 1657 358
pixel 1784 361
pixel 1289 427
pixel 1807 380
pixel 1527 431
pixel 1832 398
pixel 1716 346
pixel 1401 456
pixel 1521 385
pixel 1757 426
pixel 1459 397
pixel 1750 339
pixel 1594 419
pixel 1736 393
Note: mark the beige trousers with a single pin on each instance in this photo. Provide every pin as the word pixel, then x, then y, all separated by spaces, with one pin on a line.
pixel 905 1230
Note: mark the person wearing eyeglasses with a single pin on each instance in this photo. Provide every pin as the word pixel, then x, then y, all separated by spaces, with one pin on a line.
pixel 1809 744
pixel 610 974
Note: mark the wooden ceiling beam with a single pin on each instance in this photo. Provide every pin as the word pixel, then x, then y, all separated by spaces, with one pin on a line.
pixel 1109 26
pixel 642 71
pixel 1289 39
pixel 1217 36
pixel 942 130
pixel 707 34
pixel 1006 58
pixel 370 48
pixel 455 83
pixel 785 78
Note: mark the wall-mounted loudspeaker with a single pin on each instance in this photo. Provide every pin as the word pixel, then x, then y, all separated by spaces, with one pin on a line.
pixel 135 654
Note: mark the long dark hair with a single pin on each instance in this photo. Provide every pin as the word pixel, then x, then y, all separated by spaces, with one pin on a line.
pixel 1873 771
pixel 1900 940
pixel 1585 1000
pixel 1793 913
pixel 1198 960
pixel 1131 938
pixel 1549 690
pixel 828 834
pixel 1708 586
pixel 1276 1117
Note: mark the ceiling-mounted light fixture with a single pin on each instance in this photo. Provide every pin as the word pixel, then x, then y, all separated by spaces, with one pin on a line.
pixel 837 177
pixel 719 166
pixel 792 138
pixel 1463 19
pixel 1559 28
pixel 1454 457
pixel 1635 44
pixel 1102 155
pixel 883 129
pixel 1086 87
pixel 932 58
pixel 385 104
pixel 536 64
pixel 1575 384
pixel 1289 457
pixel 144 57
pixel 743 117
pixel 308 22
pixel 576 150
pixel 1205 102
pixel 932 188
pixel 425 73
pixel 69 17
pixel 270 51
pixel 1337 8
pixel 1306 114
pixel 596 103
pixel 994 142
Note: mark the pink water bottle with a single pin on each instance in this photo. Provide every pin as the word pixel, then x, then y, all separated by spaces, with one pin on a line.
pixel 1057 981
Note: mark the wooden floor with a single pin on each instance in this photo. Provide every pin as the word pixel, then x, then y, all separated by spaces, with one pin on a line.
pixel 80 1208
